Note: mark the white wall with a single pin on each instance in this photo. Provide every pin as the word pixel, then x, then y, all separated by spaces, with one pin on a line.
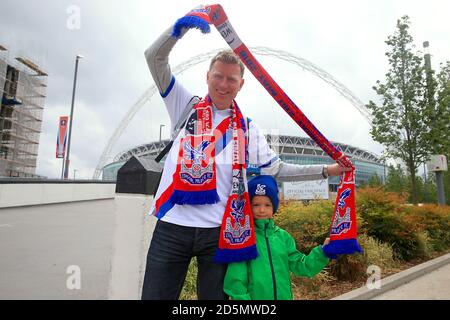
pixel 133 230
pixel 18 194
pixel 132 227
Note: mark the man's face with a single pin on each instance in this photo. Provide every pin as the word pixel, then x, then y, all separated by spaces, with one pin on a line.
pixel 224 82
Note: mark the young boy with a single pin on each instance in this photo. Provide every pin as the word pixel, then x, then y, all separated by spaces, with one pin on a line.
pixel 268 276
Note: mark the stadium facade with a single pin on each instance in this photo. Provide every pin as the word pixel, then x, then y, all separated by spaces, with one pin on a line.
pixel 291 149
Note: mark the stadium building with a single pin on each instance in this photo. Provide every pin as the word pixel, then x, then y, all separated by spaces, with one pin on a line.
pixel 291 149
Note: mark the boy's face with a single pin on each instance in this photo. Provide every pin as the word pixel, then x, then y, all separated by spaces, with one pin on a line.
pixel 262 207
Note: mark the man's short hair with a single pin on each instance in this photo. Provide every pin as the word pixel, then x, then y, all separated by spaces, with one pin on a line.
pixel 228 56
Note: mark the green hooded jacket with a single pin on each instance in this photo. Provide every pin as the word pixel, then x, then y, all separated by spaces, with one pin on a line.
pixel 267 277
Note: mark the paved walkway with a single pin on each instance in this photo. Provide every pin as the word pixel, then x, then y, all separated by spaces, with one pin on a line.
pixel 38 244
pixel 432 286
pixel 426 281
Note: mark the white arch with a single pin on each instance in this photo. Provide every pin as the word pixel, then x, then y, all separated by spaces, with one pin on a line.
pixel 264 51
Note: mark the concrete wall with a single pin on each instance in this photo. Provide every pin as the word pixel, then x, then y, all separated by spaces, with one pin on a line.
pixel 133 230
pixel 26 194
pixel 124 235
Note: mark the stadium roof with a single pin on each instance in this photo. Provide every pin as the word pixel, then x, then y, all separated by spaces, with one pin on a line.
pixel 283 145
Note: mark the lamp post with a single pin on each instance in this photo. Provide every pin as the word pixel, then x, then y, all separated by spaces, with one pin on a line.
pixel 160 128
pixel 437 157
pixel 67 162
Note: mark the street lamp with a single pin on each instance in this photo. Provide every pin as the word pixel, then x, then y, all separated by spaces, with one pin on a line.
pixel 160 128
pixel 66 169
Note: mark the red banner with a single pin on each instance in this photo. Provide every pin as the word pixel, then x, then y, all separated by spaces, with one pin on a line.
pixel 62 137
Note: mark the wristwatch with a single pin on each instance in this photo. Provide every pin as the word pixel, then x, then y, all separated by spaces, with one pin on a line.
pixel 325 171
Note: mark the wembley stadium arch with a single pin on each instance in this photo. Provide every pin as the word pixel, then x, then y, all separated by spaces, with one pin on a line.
pixel 300 146
pixel 263 51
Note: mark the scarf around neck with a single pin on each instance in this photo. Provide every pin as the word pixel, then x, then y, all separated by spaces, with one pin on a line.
pixel 195 179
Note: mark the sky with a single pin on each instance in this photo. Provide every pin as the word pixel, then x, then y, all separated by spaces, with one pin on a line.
pixel 344 38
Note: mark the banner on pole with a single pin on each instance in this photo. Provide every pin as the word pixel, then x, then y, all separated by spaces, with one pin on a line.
pixel 62 137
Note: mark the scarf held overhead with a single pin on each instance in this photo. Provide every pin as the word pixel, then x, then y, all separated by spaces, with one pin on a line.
pixel 343 227
pixel 194 181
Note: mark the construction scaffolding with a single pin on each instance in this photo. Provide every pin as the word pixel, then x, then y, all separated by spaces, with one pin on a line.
pixel 23 88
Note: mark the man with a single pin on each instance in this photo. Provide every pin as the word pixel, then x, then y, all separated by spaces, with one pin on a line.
pixel 190 218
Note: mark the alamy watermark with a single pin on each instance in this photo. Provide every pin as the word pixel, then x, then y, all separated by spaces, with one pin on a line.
pixel 374 280
pixel 73 21
pixel 73 282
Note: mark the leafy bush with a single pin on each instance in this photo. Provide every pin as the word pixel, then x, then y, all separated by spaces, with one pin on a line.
pixel 384 219
pixel 432 220
pixel 354 267
pixel 376 252
pixel 308 224
pixel 189 291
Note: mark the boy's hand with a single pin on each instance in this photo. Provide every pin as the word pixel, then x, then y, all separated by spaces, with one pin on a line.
pixel 327 241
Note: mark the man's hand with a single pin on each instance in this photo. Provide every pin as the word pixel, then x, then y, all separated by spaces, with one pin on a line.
pixel 197 18
pixel 327 241
pixel 336 169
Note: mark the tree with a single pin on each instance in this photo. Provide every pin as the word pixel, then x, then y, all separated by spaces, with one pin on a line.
pixel 396 180
pixel 400 121
pixel 375 181
pixel 441 125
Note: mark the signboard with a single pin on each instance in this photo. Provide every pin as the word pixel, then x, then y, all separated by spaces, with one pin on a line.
pixel 306 190
pixel 62 137
pixel 437 163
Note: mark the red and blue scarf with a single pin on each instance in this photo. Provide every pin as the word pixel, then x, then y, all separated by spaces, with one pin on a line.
pixel 195 179
pixel 343 230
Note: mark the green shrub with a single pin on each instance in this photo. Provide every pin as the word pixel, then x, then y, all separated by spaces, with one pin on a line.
pixel 348 267
pixel 376 252
pixel 434 221
pixel 308 224
pixel 354 267
pixel 384 219
pixel 424 244
pixel 189 291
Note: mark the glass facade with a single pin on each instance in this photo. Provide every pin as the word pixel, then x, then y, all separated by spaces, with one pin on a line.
pixel 110 170
pixel 295 150
pixel 364 170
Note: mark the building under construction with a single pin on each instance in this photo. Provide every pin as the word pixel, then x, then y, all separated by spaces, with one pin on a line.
pixel 22 90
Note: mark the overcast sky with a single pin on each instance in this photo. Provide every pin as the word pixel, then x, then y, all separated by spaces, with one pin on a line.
pixel 344 38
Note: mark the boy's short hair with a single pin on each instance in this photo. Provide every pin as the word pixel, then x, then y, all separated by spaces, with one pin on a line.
pixel 228 56
pixel 264 185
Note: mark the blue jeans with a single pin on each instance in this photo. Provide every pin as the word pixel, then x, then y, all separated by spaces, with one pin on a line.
pixel 169 255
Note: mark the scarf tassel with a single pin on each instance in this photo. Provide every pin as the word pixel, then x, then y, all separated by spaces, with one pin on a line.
pixel 236 255
pixel 344 246
pixel 190 22
pixel 194 197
